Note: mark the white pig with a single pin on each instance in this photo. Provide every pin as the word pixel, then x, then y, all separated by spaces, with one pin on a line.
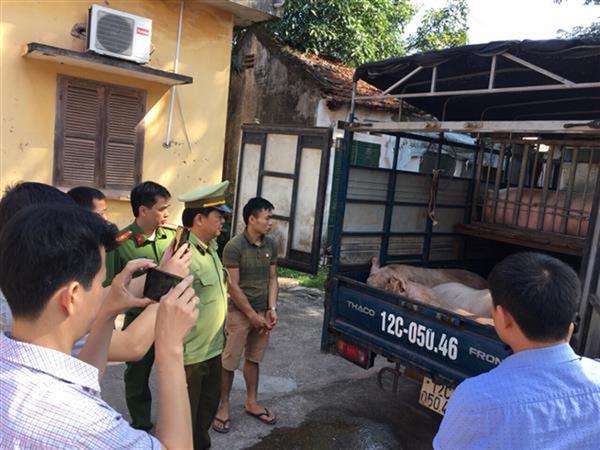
pixel 457 295
pixel 385 277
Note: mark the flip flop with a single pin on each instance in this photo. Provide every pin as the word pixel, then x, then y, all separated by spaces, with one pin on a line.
pixel 259 416
pixel 225 428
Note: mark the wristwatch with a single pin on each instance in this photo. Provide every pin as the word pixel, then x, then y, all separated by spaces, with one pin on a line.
pixel 273 308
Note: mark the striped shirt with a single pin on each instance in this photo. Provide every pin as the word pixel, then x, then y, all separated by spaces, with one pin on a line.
pixel 6 321
pixel 51 400
pixel 6 318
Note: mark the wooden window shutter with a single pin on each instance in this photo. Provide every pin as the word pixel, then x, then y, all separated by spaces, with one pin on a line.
pixel 99 135
pixel 78 124
pixel 122 155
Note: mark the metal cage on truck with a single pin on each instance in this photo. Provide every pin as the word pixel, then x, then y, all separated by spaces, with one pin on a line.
pixel 534 109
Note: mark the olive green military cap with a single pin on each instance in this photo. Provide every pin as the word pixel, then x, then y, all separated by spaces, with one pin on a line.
pixel 207 197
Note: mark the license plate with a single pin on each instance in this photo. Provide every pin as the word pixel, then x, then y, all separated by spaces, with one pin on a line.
pixel 435 396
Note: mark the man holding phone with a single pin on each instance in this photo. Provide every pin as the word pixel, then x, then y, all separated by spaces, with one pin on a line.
pixel 146 237
pixel 125 345
pixel 51 270
pixel 203 215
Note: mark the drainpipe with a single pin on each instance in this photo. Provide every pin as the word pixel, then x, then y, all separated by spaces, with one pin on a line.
pixel 175 68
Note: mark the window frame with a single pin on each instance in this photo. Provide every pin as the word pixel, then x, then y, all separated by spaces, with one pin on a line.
pixel 101 139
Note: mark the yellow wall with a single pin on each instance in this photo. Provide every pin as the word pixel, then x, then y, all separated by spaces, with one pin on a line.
pixel 28 92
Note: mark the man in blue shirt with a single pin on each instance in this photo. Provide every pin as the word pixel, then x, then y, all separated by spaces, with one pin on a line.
pixel 544 396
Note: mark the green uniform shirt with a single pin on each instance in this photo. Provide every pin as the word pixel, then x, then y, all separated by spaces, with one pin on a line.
pixel 254 263
pixel 137 245
pixel 206 339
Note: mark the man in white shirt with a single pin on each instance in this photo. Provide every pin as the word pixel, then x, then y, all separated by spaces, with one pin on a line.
pixel 14 199
pixel 126 345
pixel 52 264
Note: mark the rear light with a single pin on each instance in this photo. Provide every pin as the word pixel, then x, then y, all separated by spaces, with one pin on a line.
pixel 353 353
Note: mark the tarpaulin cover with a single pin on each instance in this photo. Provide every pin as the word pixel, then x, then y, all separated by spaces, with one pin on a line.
pixel 468 67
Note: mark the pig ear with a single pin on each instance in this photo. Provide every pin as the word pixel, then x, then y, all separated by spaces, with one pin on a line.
pixel 375 264
pixel 398 284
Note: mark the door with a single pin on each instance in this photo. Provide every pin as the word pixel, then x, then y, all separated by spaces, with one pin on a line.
pixel 287 165
pixel 587 337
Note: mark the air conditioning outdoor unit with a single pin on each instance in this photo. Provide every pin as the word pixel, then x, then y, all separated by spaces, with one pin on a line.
pixel 118 34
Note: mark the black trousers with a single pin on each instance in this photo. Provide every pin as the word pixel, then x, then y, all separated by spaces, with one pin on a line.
pixel 204 390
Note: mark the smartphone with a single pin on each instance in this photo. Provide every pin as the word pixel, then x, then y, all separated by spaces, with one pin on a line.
pixel 158 283
pixel 182 236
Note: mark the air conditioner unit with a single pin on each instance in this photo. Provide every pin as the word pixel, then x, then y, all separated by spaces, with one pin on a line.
pixel 118 34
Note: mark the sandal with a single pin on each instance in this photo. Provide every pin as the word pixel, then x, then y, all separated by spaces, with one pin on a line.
pixel 260 416
pixel 224 423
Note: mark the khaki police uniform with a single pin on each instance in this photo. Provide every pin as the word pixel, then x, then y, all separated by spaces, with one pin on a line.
pixel 135 244
pixel 204 344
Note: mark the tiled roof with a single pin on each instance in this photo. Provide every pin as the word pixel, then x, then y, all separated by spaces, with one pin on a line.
pixel 333 78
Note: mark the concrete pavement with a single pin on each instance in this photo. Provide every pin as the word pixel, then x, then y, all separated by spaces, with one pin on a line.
pixel 321 401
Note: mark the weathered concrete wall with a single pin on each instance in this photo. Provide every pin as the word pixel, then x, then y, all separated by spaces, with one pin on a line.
pixel 29 92
pixel 277 91
pixel 268 93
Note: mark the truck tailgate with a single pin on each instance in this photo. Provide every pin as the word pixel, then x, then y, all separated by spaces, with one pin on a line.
pixel 440 343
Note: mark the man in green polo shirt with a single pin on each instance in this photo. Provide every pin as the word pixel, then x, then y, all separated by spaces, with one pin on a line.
pixel 202 347
pixel 146 237
pixel 251 260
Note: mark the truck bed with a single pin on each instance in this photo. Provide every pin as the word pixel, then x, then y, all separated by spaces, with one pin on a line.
pixel 435 342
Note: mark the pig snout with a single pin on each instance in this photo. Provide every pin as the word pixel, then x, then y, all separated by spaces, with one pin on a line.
pixel 381 279
pixel 415 291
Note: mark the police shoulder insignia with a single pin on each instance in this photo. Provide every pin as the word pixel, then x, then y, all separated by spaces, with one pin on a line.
pixel 123 236
pixel 139 238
